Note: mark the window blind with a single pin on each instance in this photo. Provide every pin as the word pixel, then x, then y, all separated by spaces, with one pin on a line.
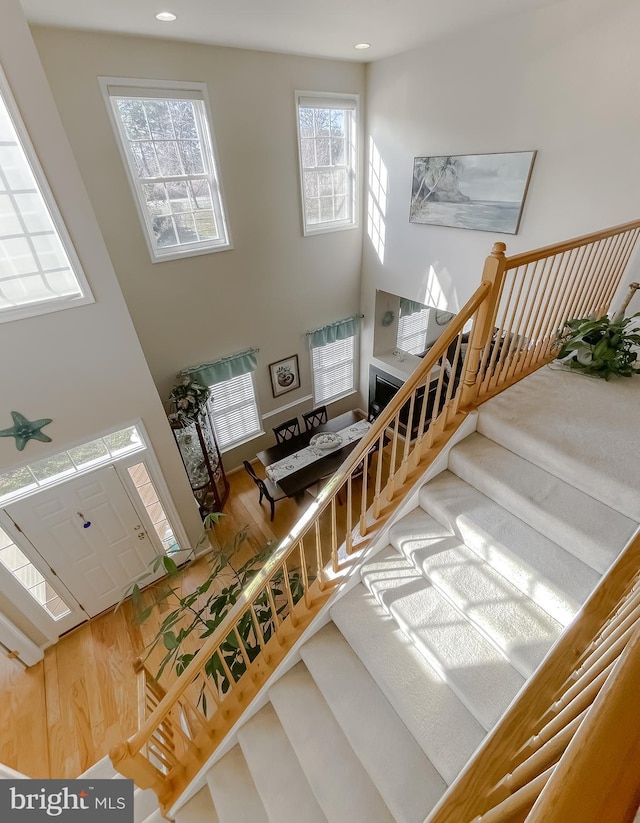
pixel 348 103
pixel 412 331
pixel 234 411
pixel 333 369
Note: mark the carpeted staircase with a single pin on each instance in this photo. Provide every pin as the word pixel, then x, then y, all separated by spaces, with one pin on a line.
pixel 447 621
pixel 421 658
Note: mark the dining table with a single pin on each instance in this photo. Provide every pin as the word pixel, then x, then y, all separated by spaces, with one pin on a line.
pixel 294 483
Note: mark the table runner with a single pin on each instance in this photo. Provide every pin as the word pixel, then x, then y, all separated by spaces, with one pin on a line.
pixel 303 457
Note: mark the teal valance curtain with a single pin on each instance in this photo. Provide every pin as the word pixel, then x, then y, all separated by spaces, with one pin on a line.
pixel 339 330
pixel 223 369
pixel 410 307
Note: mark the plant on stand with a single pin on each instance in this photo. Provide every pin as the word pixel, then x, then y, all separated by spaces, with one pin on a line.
pixel 189 398
pixel 601 347
pixel 191 617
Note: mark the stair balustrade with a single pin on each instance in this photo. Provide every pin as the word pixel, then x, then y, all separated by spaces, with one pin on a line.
pixel 568 748
pixel 514 318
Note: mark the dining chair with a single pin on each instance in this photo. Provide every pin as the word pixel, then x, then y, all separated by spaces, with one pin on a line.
pixel 315 417
pixel 287 430
pixel 267 488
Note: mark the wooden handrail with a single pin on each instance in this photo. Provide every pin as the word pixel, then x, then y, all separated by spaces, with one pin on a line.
pixel 514 316
pixel 471 793
pixel 568 245
pixel 597 777
pixel 195 667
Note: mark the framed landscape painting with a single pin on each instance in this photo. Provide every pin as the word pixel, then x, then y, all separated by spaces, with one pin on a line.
pixel 484 192
pixel 284 375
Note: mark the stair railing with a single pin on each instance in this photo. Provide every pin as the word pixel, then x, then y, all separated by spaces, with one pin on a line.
pixel 533 295
pixel 512 318
pixel 596 778
pixel 568 748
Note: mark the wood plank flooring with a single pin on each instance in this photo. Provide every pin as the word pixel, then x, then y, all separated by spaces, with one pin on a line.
pixel 63 715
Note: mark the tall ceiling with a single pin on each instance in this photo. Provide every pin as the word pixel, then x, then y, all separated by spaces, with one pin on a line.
pixel 327 29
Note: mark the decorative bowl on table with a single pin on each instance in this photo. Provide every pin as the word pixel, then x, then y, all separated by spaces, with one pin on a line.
pixel 326 441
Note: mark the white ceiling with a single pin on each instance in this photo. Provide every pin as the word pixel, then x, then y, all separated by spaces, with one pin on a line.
pixel 329 28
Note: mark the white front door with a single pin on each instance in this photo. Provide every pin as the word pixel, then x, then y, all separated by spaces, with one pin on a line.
pixel 89 534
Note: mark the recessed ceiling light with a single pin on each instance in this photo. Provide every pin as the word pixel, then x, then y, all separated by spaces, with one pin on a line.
pixel 166 16
pixel 362 46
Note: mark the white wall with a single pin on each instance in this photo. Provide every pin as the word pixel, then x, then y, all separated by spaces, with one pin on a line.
pixel 275 284
pixel 83 367
pixel 562 80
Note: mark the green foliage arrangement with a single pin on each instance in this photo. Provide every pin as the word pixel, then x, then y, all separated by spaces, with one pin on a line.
pixel 197 613
pixel 189 398
pixel 601 347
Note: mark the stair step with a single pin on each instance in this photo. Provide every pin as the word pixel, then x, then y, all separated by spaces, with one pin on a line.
pixel 145 803
pixel 517 626
pixel 475 669
pixel 444 728
pixel 562 422
pixel 584 526
pixel 404 776
pixel 199 809
pixel 276 772
pixel 233 791
pixel 547 573
pixel 339 781
pixel 155 817
pixel 102 770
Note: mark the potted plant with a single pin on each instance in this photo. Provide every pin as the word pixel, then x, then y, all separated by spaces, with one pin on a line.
pixel 599 347
pixel 189 399
pixel 187 615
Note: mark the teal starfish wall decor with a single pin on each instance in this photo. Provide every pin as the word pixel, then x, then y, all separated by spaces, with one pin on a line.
pixel 24 430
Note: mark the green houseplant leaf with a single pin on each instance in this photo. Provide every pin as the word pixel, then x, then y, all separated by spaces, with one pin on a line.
pixel 193 616
pixel 600 347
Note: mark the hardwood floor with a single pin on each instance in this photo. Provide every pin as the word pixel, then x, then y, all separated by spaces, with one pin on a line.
pixel 63 715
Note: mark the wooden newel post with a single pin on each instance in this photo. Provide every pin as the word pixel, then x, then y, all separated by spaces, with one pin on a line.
pixel 137 768
pixel 482 329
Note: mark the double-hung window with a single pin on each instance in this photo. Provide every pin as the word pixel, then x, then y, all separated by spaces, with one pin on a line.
pixel 165 135
pixel 334 359
pixel 412 329
pixel 327 145
pixel 234 411
pixel 39 270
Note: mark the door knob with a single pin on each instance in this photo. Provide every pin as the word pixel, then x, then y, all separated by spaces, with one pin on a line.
pixel 141 536
pixel 85 523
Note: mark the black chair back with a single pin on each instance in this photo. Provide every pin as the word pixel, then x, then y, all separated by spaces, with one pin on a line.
pixel 315 417
pixel 287 430
pixel 262 487
pixel 257 480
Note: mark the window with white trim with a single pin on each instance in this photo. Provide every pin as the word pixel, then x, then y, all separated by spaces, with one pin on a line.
pixel 166 138
pixel 39 270
pixel 150 499
pixel 19 565
pixel 334 369
pixel 234 411
pixel 412 331
pixel 59 466
pixel 327 147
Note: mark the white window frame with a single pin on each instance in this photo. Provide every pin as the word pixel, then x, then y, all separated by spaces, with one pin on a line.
pixel 414 327
pixel 112 87
pixel 319 400
pixel 246 438
pixel 58 303
pixel 20 597
pixel 143 453
pixel 351 105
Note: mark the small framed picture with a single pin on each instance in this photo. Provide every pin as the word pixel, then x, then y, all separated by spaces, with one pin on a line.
pixel 285 375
